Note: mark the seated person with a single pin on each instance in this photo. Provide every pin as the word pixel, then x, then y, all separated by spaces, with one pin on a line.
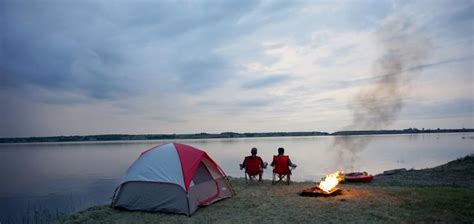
pixel 253 164
pixel 281 163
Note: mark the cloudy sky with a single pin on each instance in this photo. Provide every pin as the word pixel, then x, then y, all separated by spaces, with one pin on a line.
pixel 132 67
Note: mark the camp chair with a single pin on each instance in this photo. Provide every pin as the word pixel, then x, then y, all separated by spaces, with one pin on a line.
pixel 281 170
pixel 252 168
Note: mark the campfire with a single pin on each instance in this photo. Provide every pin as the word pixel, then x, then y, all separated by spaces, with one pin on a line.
pixel 327 186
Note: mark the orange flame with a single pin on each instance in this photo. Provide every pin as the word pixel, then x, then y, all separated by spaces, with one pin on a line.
pixel 329 182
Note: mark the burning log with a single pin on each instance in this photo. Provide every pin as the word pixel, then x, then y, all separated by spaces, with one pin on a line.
pixel 317 192
pixel 327 186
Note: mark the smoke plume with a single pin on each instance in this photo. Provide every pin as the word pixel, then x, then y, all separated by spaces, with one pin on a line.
pixel 401 46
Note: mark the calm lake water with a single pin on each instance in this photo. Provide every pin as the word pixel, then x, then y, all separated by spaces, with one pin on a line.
pixel 40 181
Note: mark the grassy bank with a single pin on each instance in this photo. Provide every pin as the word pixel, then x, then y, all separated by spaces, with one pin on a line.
pixel 386 200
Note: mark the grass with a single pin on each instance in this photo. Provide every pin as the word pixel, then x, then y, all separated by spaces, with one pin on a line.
pixel 443 194
pixel 264 203
pixel 457 173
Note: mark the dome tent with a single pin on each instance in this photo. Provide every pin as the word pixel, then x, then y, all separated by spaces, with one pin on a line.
pixel 174 178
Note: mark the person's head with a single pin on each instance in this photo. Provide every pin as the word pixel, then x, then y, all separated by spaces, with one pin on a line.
pixel 253 151
pixel 281 151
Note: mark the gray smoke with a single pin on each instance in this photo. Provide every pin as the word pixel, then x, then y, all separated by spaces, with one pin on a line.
pixel 401 46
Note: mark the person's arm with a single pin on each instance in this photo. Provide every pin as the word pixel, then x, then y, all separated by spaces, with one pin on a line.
pixel 273 162
pixel 262 164
pixel 290 163
pixel 242 166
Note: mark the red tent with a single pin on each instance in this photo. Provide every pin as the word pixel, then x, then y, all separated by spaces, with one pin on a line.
pixel 172 178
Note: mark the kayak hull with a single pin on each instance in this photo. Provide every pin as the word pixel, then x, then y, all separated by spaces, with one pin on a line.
pixel 359 178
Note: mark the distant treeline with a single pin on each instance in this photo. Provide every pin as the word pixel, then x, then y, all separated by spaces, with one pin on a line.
pixel 120 137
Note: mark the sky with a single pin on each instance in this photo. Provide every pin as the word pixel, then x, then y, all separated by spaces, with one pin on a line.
pixel 137 67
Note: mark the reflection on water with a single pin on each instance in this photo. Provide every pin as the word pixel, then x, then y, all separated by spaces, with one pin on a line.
pixel 62 177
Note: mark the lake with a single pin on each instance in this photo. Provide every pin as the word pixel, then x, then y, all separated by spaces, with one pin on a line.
pixel 40 181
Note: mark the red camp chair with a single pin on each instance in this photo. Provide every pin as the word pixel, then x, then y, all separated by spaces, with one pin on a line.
pixel 252 168
pixel 281 170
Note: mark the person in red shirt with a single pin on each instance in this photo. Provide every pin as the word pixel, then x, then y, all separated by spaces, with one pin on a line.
pixel 281 152
pixel 282 166
pixel 253 164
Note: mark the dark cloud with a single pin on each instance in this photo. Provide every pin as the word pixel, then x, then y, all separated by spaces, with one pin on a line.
pixel 91 63
pixel 463 107
pixel 97 48
pixel 442 62
pixel 454 25
pixel 236 107
pixel 254 103
pixel 339 53
pixel 199 74
pixel 242 104
pixel 265 82
pixel 58 46
pixel 342 84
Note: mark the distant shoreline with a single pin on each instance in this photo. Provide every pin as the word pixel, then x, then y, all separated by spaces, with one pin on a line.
pixel 125 137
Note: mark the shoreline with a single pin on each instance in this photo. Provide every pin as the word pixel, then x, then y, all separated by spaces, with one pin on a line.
pixel 408 196
pixel 224 135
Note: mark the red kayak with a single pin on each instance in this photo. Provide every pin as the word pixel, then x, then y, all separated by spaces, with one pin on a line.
pixel 361 177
